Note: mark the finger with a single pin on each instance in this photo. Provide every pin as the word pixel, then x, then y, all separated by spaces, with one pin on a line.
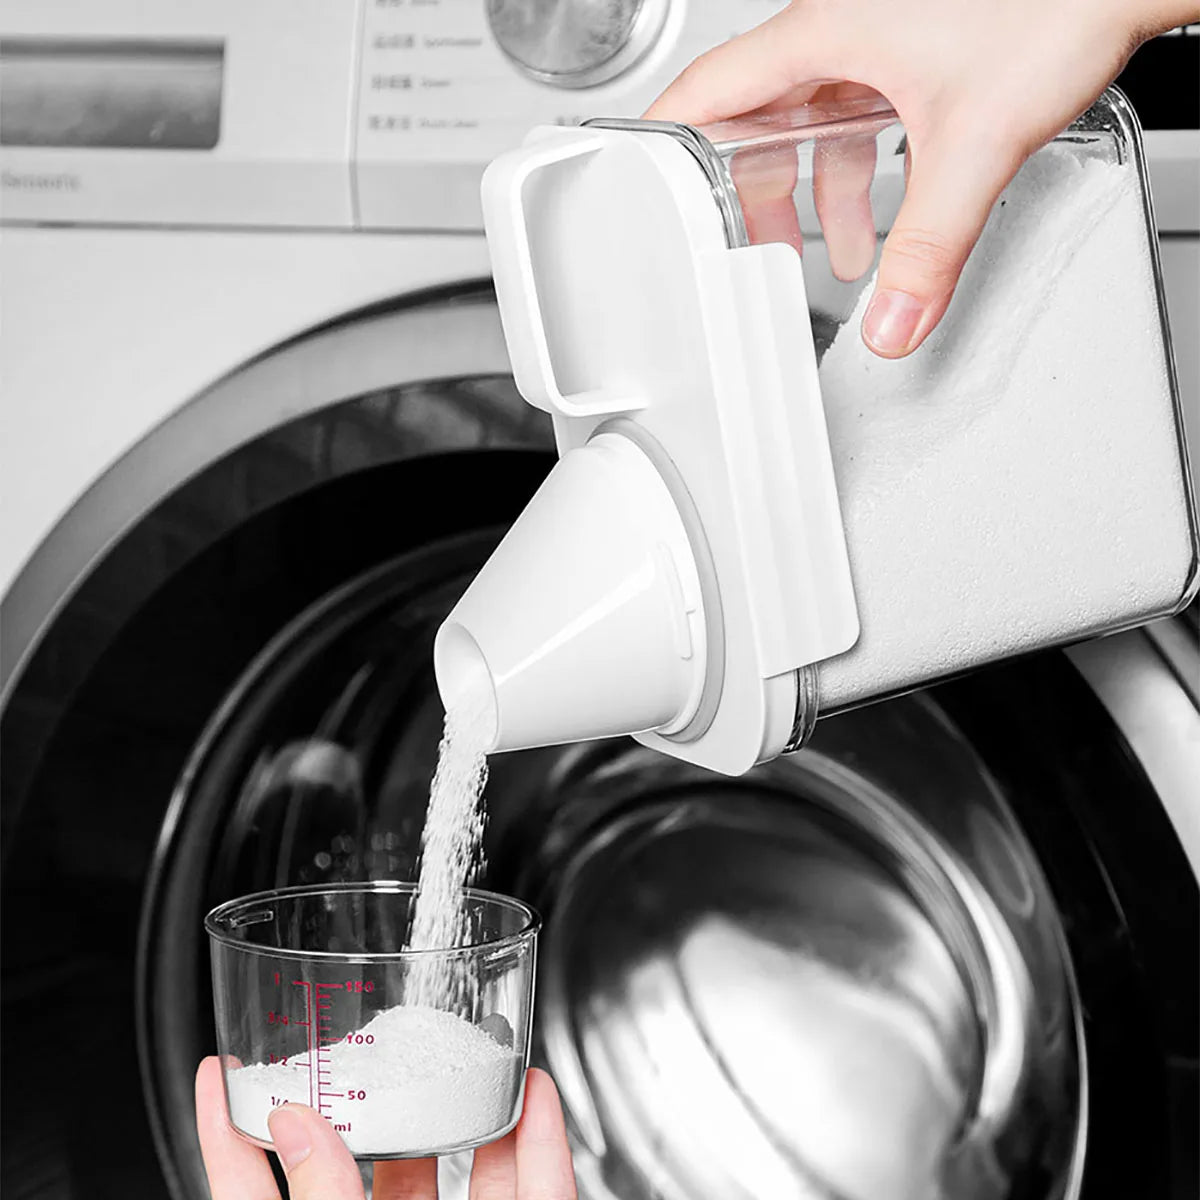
pixel 405 1179
pixel 544 1169
pixel 236 1170
pixel 843 169
pixel 318 1166
pixel 952 187
pixel 739 75
pixel 765 181
pixel 494 1173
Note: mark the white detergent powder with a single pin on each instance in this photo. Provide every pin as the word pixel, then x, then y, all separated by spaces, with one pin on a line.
pixel 451 852
pixel 1005 487
pixel 427 1080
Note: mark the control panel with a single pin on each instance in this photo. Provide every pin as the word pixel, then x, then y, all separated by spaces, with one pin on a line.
pixel 446 85
pixel 371 114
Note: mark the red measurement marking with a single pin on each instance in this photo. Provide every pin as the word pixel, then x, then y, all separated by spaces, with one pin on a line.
pixel 314 1090
pixel 330 985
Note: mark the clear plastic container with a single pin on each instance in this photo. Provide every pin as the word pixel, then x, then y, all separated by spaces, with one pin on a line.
pixel 1021 481
pixel 318 1002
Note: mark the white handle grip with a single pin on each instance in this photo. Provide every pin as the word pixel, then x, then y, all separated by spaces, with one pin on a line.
pixel 516 288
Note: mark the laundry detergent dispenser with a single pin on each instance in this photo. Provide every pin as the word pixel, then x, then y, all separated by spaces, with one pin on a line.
pixel 754 520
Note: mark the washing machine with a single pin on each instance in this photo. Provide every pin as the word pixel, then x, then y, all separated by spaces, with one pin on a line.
pixel 258 432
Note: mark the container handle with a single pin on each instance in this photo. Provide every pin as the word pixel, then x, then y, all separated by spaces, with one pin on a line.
pixel 516 287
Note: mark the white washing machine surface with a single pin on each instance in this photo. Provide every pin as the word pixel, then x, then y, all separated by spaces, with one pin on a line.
pixel 258 430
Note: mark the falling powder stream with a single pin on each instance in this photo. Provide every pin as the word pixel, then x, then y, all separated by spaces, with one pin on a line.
pixel 451 850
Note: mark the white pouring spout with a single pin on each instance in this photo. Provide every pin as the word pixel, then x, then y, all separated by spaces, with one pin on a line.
pixel 588 619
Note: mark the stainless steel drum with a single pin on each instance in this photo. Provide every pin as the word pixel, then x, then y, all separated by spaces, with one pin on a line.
pixel 840 977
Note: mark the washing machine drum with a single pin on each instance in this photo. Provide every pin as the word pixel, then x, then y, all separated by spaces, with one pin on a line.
pixel 948 950
pixel 843 975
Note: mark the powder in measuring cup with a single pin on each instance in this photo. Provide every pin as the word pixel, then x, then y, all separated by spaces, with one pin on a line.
pixel 451 851
pixel 411 1079
pixel 1003 487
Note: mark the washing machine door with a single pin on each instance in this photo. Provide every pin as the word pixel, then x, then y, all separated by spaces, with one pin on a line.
pixel 935 954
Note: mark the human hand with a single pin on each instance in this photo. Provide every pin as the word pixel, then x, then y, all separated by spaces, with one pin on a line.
pixel 979 87
pixel 531 1163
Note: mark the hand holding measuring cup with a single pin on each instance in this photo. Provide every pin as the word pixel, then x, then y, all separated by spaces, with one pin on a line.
pixel 531 1163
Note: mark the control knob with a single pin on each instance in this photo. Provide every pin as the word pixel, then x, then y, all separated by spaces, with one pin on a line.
pixel 576 43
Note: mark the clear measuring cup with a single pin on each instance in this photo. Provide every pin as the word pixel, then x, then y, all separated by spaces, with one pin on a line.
pixel 317 1002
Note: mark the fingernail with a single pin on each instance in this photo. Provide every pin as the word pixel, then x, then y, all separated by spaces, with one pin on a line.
pixel 290 1137
pixel 891 321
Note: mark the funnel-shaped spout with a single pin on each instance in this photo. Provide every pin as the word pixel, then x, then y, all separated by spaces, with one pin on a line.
pixel 588 620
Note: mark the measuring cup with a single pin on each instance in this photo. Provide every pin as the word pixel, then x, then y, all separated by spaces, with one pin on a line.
pixel 317 1002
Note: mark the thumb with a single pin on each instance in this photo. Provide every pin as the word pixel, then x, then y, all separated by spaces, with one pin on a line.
pixel 318 1166
pixel 951 189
